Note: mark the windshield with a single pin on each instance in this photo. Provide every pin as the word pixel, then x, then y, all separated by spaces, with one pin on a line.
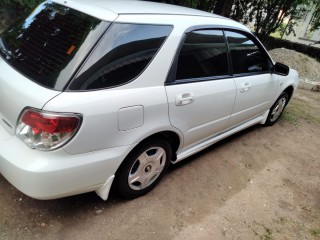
pixel 50 44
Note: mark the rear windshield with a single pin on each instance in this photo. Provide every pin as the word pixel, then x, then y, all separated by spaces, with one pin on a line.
pixel 49 45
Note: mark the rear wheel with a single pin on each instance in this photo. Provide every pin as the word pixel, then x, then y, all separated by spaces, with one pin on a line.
pixel 277 109
pixel 143 168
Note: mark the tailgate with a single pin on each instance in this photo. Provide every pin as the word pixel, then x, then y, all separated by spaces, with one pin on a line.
pixel 18 92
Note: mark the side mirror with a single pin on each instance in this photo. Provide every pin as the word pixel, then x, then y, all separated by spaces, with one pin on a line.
pixel 281 69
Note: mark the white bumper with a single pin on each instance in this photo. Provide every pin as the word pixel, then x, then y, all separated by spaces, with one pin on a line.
pixel 49 175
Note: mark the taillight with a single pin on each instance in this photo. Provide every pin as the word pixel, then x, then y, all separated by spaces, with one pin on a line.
pixel 46 130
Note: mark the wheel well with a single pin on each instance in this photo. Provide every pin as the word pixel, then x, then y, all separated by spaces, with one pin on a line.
pixel 173 139
pixel 289 90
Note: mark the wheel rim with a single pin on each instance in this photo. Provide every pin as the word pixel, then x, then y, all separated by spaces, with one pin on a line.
pixel 277 110
pixel 147 168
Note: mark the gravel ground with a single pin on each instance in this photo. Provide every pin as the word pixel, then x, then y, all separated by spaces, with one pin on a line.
pixel 307 67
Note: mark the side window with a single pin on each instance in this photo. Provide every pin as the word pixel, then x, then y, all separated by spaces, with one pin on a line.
pixel 203 54
pixel 246 55
pixel 121 56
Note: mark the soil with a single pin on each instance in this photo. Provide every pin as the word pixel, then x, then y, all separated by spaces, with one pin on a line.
pixel 307 67
pixel 262 183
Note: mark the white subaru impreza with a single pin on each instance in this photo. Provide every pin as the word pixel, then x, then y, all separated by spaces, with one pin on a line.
pixel 101 93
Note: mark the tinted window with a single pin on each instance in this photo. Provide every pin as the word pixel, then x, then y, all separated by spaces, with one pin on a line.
pixel 246 55
pixel 43 46
pixel 203 54
pixel 121 56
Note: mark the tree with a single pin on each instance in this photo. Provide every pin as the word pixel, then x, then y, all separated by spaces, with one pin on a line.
pixel 223 7
pixel 315 21
pixel 10 10
pixel 267 16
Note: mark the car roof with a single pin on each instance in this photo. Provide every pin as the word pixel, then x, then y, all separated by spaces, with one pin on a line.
pixel 109 9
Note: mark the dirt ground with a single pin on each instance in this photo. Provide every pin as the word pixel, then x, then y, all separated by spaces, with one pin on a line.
pixel 263 183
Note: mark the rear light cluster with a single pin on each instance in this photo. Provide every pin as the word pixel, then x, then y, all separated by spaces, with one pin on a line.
pixel 46 130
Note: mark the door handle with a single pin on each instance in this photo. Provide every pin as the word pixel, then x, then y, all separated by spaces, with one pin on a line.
pixel 245 87
pixel 184 99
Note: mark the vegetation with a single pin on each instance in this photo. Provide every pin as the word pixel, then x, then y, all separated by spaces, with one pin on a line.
pixel 315 232
pixel 10 10
pixel 267 16
pixel 299 110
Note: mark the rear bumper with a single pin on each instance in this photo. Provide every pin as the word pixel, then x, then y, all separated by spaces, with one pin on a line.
pixel 50 175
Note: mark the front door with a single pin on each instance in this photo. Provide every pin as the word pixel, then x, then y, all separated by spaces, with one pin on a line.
pixel 256 85
pixel 201 96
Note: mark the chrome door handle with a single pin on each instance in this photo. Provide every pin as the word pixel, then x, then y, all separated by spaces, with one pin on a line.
pixel 184 99
pixel 245 87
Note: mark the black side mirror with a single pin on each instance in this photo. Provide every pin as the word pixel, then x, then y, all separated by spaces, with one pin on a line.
pixel 281 69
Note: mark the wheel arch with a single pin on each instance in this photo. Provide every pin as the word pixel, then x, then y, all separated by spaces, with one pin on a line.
pixel 289 90
pixel 172 137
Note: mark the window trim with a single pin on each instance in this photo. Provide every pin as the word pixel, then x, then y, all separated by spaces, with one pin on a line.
pixel 171 78
pixel 251 37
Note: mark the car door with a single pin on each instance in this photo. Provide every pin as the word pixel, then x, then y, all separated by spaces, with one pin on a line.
pixel 200 89
pixel 256 85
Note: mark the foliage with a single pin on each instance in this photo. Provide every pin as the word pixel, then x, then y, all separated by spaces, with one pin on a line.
pixel 10 10
pixel 205 5
pixel 315 22
pixel 267 16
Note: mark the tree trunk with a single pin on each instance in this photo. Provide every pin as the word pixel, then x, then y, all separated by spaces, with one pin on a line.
pixel 223 7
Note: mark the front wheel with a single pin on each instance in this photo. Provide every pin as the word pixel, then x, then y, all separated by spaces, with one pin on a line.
pixel 143 168
pixel 277 109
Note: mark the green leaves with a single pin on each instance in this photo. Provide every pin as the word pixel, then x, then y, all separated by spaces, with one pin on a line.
pixel 268 16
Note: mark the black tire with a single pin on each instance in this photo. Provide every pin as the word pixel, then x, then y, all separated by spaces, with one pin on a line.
pixel 277 109
pixel 143 168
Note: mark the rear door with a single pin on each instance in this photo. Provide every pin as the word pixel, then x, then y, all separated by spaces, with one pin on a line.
pixel 256 85
pixel 201 92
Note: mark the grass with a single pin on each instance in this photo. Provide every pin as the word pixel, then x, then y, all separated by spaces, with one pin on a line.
pixel 268 234
pixel 315 232
pixel 276 34
pixel 299 110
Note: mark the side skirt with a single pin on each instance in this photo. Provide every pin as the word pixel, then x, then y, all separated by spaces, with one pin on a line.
pixel 195 149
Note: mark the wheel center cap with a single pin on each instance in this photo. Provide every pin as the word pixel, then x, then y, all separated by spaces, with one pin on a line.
pixel 147 169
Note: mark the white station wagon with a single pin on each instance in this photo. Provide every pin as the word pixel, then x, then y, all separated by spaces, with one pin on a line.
pixel 100 93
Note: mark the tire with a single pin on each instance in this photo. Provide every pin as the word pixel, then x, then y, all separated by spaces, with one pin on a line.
pixel 277 109
pixel 143 168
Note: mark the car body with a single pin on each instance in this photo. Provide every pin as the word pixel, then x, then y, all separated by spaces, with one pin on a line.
pixel 123 89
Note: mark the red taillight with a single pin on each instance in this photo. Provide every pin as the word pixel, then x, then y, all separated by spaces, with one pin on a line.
pixel 49 123
pixel 47 130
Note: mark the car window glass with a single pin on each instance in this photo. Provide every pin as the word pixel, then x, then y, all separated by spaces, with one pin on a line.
pixel 203 54
pixel 121 56
pixel 246 55
pixel 46 46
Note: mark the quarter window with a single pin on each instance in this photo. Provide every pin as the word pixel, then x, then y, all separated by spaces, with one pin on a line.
pixel 246 55
pixel 121 56
pixel 203 54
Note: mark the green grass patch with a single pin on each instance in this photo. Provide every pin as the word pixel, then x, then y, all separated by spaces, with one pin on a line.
pixel 299 110
pixel 315 232
pixel 268 234
pixel 276 34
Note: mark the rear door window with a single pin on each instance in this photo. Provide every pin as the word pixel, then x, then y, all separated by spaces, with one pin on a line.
pixel 203 54
pixel 121 56
pixel 48 46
